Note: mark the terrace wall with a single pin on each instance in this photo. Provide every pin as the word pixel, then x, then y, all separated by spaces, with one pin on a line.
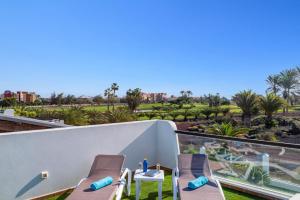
pixel 67 154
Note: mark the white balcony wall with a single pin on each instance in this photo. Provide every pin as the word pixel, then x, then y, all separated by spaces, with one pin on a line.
pixel 67 154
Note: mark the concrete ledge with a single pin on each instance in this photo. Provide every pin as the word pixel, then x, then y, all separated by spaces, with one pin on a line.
pixel 26 120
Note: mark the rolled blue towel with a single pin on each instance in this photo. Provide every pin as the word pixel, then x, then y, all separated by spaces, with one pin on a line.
pixel 198 182
pixel 101 183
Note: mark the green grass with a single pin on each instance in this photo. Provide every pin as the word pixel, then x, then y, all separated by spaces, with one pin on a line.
pixel 149 191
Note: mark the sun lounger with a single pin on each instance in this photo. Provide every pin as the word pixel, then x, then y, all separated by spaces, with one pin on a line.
pixel 191 167
pixel 103 166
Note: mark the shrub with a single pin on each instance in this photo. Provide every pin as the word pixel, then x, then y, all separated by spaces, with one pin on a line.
pixel 225 110
pixel 207 112
pixel 118 115
pixel 216 110
pixel 174 115
pixel 151 115
pixel 228 129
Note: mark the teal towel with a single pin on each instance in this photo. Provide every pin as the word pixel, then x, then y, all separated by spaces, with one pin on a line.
pixel 198 182
pixel 101 183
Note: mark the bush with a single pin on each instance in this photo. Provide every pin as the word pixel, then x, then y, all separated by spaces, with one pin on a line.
pixel 225 110
pixel 118 115
pixel 174 115
pixel 151 115
pixel 207 112
pixel 216 111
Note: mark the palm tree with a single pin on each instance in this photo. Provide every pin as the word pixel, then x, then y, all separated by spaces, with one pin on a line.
pixel 133 98
pixel 114 87
pixel 247 101
pixel 270 104
pixel 189 93
pixel 274 83
pixel 289 83
pixel 108 94
pixel 182 92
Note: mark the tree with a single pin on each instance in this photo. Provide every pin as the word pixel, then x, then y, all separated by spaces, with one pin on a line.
pixel 108 93
pixel 56 99
pixel 248 102
pixel 98 99
pixel 182 92
pixel 270 104
pixel 288 82
pixel 133 98
pixel 213 100
pixel 189 93
pixel 8 102
pixel 69 99
pixel 274 83
pixel 114 87
pixel 185 98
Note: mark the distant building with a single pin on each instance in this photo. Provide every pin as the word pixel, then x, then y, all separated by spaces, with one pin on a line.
pixel 26 97
pixel 154 97
pixel 8 94
pixel 11 123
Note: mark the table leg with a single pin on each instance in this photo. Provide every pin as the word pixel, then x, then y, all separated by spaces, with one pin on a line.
pixel 160 190
pixel 137 190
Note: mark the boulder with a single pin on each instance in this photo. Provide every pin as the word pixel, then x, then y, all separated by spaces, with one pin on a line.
pixel 295 127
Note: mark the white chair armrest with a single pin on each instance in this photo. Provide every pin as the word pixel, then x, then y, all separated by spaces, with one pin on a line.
pixel 123 183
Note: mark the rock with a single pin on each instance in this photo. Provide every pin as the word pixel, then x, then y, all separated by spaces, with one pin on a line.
pixel 201 130
pixel 284 121
pixel 295 127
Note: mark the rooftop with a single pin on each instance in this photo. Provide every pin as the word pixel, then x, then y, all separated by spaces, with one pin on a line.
pixel 11 123
pixel 66 153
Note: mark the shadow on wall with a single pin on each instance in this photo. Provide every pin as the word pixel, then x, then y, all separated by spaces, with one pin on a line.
pixel 143 146
pixel 32 183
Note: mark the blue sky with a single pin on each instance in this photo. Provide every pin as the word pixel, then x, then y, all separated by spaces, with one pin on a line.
pixel 81 47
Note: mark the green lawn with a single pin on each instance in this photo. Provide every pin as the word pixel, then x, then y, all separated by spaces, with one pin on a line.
pixel 149 191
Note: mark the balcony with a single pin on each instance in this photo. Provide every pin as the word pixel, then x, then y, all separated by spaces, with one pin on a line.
pixel 67 153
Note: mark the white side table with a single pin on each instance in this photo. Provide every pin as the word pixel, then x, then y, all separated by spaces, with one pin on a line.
pixel 139 177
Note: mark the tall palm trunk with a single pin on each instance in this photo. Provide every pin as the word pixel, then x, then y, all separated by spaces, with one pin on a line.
pixel 107 103
pixel 113 104
pixel 288 100
pixel 247 120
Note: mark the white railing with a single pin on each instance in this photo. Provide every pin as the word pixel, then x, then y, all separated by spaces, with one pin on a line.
pixel 265 167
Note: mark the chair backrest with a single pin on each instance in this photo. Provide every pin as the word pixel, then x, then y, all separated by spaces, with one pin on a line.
pixel 193 163
pixel 108 163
